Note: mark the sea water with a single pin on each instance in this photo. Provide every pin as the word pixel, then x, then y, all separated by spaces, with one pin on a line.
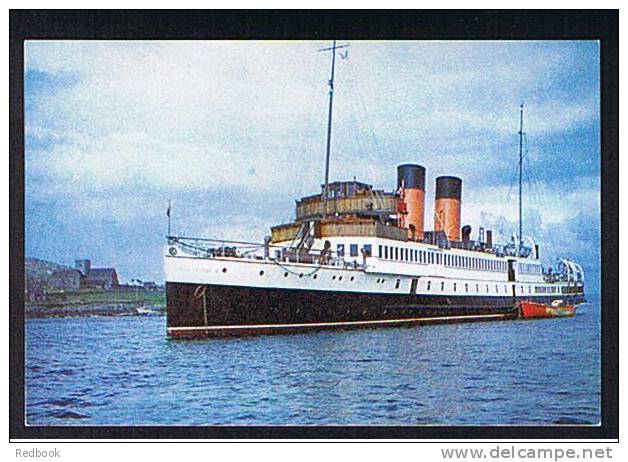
pixel 124 371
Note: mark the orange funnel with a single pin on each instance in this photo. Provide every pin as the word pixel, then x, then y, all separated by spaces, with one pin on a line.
pixel 447 206
pixel 411 183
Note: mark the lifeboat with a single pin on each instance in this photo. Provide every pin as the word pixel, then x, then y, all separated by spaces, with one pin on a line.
pixel 557 309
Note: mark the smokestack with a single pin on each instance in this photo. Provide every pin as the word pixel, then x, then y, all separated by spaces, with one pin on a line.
pixel 447 206
pixel 411 178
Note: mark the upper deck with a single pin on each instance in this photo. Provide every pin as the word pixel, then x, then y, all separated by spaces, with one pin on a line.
pixel 347 198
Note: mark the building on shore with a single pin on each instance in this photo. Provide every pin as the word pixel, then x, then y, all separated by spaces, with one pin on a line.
pixel 65 279
pixel 103 278
pixel 42 276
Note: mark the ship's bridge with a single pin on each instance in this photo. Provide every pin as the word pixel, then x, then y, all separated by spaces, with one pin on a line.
pixel 347 198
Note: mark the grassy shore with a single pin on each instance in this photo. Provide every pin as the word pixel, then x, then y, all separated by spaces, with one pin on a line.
pixel 97 302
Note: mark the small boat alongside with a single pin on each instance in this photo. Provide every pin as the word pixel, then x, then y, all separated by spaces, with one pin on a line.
pixel 556 309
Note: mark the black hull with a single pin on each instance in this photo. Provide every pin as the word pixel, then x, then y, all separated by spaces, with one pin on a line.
pixel 213 310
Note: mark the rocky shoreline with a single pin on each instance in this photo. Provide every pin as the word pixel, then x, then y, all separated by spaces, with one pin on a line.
pixel 89 309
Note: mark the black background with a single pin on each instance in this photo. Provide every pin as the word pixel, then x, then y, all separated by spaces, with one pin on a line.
pixel 599 25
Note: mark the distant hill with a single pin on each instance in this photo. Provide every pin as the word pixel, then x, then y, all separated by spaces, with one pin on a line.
pixel 39 271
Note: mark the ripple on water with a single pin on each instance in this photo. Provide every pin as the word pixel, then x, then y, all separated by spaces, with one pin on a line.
pixel 425 375
pixel 67 415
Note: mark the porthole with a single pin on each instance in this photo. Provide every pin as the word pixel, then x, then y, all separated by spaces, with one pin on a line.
pixel 315 276
pixel 340 278
pixel 383 280
pixel 377 282
pixel 352 278
pixel 172 251
pixel 285 274
pixel 301 275
pixel 224 270
pixel 261 273
pixel 333 277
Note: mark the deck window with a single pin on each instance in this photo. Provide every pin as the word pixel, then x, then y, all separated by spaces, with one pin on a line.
pixel 379 251
pixel 353 250
pixel 368 250
pixel 340 250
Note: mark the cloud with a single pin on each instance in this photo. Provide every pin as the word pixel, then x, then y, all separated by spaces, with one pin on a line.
pixel 234 132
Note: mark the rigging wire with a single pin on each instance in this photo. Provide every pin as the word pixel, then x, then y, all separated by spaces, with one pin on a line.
pixel 365 123
pixel 367 113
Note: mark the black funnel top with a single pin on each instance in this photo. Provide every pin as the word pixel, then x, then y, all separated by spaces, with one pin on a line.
pixel 448 187
pixel 412 176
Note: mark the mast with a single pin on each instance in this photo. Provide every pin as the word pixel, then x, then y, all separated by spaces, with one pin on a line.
pixel 520 248
pixel 329 116
pixel 168 212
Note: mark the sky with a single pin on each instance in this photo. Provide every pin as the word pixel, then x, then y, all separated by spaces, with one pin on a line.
pixel 234 132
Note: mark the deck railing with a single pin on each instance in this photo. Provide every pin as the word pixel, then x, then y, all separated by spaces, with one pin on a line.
pixel 217 248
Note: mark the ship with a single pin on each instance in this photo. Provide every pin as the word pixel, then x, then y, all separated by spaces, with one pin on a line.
pixel 357 256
